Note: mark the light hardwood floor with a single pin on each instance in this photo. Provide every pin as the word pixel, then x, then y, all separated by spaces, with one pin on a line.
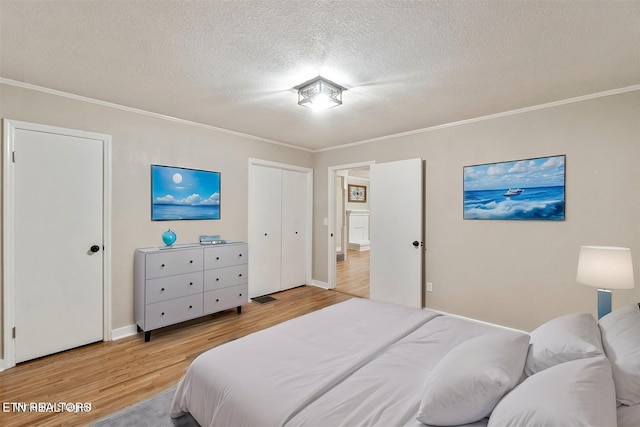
pixel 352 275
pixel 117 374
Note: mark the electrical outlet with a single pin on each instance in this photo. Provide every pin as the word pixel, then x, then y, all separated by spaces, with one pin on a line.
pixel 429 287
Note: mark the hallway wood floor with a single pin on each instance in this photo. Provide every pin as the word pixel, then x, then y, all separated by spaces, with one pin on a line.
pixel 352 275
pixel 113 375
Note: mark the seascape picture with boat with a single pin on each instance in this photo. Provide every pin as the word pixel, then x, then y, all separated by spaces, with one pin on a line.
pixel 531 189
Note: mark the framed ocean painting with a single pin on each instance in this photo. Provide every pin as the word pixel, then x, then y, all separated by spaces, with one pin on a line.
pixel 183 194
pixel 531 189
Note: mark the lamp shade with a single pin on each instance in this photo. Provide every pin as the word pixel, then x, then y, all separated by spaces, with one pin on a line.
pixel 605 267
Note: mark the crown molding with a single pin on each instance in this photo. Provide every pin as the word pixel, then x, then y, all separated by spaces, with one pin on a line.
pixel 489 117
pixel 49 91
pixel 573 100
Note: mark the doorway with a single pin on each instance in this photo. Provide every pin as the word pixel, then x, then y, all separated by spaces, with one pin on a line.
pixel 348 220
pixel 56 225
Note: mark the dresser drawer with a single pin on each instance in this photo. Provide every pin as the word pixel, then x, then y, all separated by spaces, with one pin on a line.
pixel 222 299
pixel 225 277
pixel 225 256
pixel 173 311
pixel 171 287
pixel 173 262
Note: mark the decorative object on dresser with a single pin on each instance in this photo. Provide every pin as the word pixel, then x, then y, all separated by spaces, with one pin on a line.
pixel 211 240
pixel 169 237
pixel 179 283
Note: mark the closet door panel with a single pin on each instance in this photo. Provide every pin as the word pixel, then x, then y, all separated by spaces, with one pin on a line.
pixel 265 230
pixel 295 194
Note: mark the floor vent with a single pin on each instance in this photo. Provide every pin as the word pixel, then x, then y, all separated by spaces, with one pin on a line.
pixel 263 300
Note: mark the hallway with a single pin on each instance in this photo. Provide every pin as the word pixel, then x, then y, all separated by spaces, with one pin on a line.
pixel 352 275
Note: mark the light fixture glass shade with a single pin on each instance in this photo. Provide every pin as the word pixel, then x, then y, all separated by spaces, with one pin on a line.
pixel 319 94
pixel 605 267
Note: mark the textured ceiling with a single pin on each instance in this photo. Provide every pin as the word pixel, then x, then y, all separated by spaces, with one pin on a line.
pixel 407 65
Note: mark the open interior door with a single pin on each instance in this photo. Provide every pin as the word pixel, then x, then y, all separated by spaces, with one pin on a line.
pixel 396 232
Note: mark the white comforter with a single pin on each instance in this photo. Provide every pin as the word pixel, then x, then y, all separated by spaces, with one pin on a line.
pixel 266 378
pixel 387 391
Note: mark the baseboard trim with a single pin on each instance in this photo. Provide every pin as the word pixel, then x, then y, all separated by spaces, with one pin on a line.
pixel 320 284
pixel 125 331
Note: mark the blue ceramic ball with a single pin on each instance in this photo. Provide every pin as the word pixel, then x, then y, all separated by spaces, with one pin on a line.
pixel 169 237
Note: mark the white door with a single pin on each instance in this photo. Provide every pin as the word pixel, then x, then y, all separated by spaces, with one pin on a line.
pixel 294 228
pixel 396 234
pixel 265 230
pixel 58 242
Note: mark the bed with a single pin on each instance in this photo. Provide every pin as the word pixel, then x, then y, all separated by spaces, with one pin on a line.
pixel 365 363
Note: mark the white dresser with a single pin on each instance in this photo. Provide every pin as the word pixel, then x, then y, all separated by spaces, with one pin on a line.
pixel 178 283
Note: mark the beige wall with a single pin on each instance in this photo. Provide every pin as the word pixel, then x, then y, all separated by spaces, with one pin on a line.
pixel 516 273
pixel 137 142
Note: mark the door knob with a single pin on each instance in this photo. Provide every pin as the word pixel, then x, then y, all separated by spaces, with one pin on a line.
pixel 416 243
pixel 94 248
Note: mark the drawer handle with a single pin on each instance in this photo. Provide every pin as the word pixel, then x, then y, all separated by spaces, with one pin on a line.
pixel 217 258
pixel 190 283
pixel 190 261
pixel 217 299
pixel 240 295
pixel 162 290
pixel 162 314
pixel 240 255
pixel 217 279
pixel 240 275
pixel 190 307
pixel 162 265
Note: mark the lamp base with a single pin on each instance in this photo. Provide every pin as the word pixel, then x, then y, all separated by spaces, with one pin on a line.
pixel 604 302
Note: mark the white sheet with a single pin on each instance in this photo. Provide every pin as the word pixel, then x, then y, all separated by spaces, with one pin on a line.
pixel 387 391
pixel 267 377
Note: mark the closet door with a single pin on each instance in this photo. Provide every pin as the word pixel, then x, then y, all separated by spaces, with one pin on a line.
pixel 295 194
pixel 265 230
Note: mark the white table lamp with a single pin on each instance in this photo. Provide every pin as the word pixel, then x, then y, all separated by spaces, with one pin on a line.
pixel 605 267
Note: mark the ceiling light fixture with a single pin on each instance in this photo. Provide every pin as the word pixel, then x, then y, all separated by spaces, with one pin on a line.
pixel 319 94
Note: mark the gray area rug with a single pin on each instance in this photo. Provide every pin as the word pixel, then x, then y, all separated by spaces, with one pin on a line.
pixel 153 412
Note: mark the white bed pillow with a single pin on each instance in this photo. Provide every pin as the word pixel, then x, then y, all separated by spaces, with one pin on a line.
pixel 466 384
pixel 576 393
pixel 621 340
pixel 565 338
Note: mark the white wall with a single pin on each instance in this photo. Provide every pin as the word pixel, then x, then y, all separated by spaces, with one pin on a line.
pixel 138 141
pixel 516 273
